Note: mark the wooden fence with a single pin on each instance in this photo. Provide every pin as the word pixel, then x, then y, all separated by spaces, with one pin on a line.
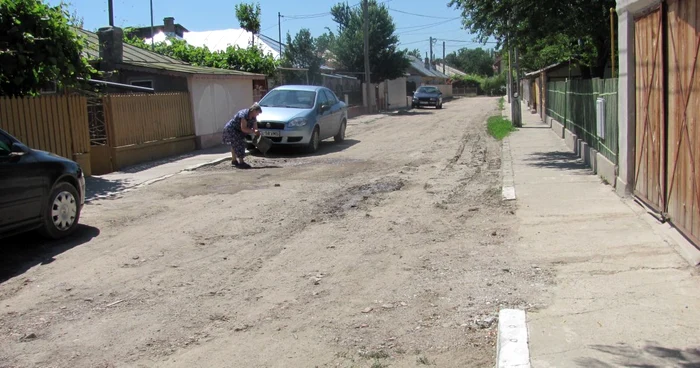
pixel 57 124
pixel 143 128
pixel 139 119
pixel 573 103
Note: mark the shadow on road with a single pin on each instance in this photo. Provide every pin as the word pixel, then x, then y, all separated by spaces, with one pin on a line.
pixel 22 252
pixel 557 160
pixel 97 186
pixel 326 148
pixel 651 356
pixel 412 112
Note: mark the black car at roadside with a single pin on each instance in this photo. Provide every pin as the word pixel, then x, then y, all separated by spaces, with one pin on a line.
pixel 427 96
pixel 38 190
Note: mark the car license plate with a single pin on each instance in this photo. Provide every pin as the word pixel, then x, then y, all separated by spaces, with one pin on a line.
pixel 269 133
pixel 424 102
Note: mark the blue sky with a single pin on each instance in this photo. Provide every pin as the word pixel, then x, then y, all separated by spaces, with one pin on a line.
pixel 436 19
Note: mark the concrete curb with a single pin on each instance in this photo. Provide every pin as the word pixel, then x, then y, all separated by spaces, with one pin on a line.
pixel 210 163
pixel 513 350
pixel 508 190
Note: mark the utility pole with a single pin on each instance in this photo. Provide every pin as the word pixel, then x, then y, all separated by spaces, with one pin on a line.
pixel 153 35
pixel 431 51
pixel 517 118
pixel 279 29
pixel 365 16
pixel 443 57
pixel 110 7
pixel 510 72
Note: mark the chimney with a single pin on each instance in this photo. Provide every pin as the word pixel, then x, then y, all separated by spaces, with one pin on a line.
pixel 427 63
pixel 169 26
pixel 111 45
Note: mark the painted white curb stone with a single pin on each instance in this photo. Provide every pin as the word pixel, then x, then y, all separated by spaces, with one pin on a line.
pixel 513 350
pixel 508 190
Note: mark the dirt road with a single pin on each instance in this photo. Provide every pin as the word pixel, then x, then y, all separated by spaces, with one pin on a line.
pixel 392 249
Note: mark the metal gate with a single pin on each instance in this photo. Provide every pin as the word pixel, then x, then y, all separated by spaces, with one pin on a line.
pixel 683 194
pixel 650 127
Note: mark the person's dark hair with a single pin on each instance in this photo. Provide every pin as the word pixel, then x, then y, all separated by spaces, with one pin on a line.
pixel 255 107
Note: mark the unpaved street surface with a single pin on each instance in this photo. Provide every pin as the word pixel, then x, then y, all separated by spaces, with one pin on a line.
pixel 392 249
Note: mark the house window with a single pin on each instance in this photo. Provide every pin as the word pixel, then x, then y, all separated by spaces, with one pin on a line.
pixel 142 83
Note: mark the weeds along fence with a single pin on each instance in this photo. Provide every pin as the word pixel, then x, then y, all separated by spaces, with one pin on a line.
pixel 573 103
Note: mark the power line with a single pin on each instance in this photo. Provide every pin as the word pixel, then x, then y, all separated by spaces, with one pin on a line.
pixel 472 41
pixel 426 26
pixel 418 15
pixel 411 43
pixel 316 15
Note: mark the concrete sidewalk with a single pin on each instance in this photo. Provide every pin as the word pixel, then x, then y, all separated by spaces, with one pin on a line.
pixel 109 185
pixel 103 186
pixel 623 294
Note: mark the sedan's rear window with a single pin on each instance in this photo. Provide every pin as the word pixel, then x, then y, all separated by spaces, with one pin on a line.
pixel 289 98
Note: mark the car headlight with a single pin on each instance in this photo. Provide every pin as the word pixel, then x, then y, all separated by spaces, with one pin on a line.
pixel 298 122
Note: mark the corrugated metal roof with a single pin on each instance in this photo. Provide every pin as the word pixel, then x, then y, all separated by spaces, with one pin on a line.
pixel 419 66
pixel 450 70
pixel 191 69
pixel 148 59
pixel 532 74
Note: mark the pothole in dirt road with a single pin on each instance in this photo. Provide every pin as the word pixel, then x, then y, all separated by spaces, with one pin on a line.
pixel 279 162
pixel 357 195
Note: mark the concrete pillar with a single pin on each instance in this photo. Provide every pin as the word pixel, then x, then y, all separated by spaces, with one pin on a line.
pixel 626 104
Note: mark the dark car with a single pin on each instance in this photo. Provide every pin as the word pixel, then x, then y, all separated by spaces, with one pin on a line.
pixel 38 190
pixel 427 96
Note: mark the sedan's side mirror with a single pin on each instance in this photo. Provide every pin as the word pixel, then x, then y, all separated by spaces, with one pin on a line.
pixel 19 149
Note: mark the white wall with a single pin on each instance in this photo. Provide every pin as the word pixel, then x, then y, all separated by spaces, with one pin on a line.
pixel 396 91
pixel 446 90
pixel 214 102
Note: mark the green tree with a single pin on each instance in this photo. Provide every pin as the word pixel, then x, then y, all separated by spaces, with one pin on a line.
pixel 578 27
pixel 250 59
pixel 325 42
pixel 38 46
pixel 414 52
pixel 385 59
pixel 249 18
pixel 472 61
pixel 302 52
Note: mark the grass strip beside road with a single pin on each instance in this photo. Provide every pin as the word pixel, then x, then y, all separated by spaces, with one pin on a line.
pixel 499 127
pixel 501 104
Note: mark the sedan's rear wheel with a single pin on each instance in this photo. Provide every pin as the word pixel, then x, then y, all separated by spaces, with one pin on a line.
pixel 62 212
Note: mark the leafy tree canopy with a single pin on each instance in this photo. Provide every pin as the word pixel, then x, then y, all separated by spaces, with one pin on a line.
pixel 249 17
pixel 302 52
pixel 472 61
pixel 250 60
pixel 325 42
pixel 414 52
pixel 386 60
pixel 38 45
pixel 555 28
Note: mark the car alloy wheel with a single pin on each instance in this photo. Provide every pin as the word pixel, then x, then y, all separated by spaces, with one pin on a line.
pixel 64 211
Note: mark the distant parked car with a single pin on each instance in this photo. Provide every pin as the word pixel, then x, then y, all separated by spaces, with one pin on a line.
pixel 38 190
pixel 427 96
pixel 303 116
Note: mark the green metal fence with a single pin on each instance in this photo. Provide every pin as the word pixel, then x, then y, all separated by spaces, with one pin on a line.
pixel 573 103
